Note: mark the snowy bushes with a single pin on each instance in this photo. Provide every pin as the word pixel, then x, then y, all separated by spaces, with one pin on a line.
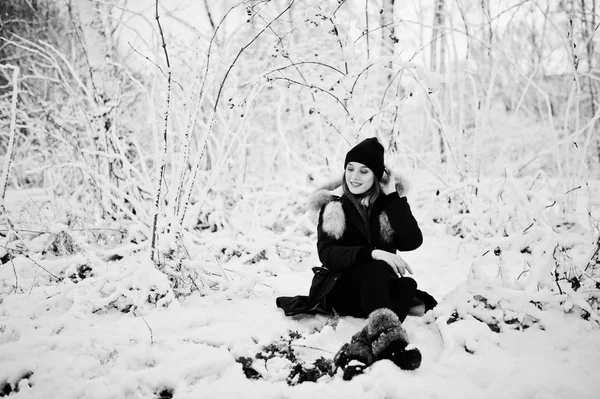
pixel 278 361
pixel 90 285
pixel 14 385
pixel 538 258
pixel 538 278
pixel 84 275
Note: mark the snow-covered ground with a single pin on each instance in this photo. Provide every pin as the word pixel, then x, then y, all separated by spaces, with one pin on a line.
pixel 60 341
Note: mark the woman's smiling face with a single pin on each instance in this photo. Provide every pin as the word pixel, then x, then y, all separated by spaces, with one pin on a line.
pixel 358 177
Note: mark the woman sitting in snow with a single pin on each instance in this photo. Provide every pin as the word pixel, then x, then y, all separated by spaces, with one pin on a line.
pixel 359 233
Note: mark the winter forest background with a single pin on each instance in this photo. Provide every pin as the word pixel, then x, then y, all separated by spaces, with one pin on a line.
pixel 157 157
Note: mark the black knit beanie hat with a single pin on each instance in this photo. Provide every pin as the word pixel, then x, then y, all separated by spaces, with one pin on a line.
pixel 369 152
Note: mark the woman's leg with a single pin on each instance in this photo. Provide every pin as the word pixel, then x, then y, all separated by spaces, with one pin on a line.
pixel 375 288
pixel 362 289
pixel 403 293
pixel 370 286
pixel 344 296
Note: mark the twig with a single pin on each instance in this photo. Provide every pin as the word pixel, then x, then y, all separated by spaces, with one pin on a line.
pixel 358 77
pixel 558 285
pixel 367 28
pixel 165 137
pixel 162 36
pixel 11 141
pixel 573 189
pixel 341 3
pixel 194 283
pixel 122 231
pixel 530 226
pixel 151 334
pixel 593 255
pixel 210 18
pixel 148 59
pixel 16 276
pixel 524 271
pixel 294 64
pixel 333 126
pixel 312 86
pixel 312 347
pixel 556 267
pixel 585 274
pixel 37 264
pixel 336 32
pixel 221 267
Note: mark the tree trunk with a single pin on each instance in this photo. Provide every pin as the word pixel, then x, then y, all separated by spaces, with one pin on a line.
pixel 438 65
pixel 97 41
pixel 388 35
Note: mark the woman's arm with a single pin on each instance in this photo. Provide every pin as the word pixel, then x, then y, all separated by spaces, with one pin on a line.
pixel 407 234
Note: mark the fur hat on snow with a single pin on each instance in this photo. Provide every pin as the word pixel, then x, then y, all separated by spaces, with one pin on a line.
pixel 369 152
pixel 358 349
pixel 384 329
pixel 355 356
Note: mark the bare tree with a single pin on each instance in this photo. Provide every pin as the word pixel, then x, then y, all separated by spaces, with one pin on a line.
pixel 388 31
pixel 437 60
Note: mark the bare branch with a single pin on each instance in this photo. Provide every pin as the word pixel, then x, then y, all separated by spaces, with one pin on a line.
pixel 12 128
pixel 163 160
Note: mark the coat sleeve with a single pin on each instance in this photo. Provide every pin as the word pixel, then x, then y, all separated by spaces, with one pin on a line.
pixel 333 254
pixel 407 234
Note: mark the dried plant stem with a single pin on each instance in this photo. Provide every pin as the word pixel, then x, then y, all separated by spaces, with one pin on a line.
pixel 312 347
pixel 163 159
pixel 592 260
pixel 151 334
pixel 11 142
pixel 37 264
pixel 16 275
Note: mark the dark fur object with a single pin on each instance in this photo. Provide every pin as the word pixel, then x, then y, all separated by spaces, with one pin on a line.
pixel 358 349
pixel 354 357
pixel 384 329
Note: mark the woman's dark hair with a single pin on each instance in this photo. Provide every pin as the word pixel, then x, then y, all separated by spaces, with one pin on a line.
pixel 363 201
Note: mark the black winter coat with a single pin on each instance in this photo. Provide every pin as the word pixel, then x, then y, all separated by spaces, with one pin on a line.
pixel 344 241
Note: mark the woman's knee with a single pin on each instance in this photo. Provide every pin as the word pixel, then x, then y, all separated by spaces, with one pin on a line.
pixel 408 283
pixel 376 269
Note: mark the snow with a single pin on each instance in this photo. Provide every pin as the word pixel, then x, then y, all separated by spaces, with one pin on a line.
pixel 120 332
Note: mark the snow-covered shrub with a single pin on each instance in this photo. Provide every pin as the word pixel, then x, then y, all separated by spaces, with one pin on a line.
pixel 539 259
pixel 16 384
pixel 131 284
pixel 521 281
pixel 61 244
pixel 279 361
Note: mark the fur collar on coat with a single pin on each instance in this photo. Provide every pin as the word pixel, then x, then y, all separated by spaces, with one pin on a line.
pixel 334 219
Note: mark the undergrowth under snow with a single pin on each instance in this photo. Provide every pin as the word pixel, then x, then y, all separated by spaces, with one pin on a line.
pixel 77 321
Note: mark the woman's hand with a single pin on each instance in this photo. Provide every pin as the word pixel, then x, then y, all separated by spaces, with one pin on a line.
pixel 394 260
pixel 390 185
